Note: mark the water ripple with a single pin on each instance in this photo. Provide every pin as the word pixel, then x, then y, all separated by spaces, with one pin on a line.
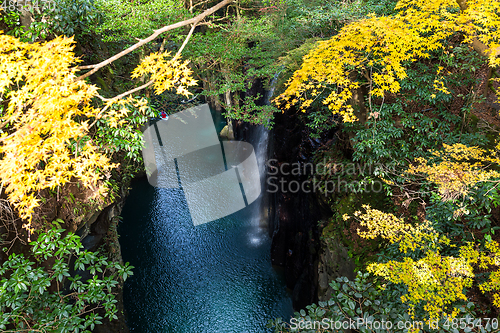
pixel 216 277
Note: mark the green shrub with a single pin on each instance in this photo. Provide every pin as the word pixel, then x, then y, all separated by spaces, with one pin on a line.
pixel 46 292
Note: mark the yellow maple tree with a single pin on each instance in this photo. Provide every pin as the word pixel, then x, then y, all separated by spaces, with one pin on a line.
pixel 47 111
pixel 458 169
pixel 435 281
pixel 381 47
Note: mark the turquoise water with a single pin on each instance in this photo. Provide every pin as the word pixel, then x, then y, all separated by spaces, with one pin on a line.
pixel 215 277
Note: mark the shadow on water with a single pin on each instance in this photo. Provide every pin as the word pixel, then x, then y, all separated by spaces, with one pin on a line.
pixel 215 277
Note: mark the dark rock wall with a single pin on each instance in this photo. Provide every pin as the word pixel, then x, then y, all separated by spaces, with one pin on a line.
pixel 100 233
pixel 294 221
pixel 292 217
pixel 334 262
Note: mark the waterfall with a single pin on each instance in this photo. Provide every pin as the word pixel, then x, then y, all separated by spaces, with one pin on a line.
pixel 269 212
pixel 261 148
pixel 261 141
pixel 213 277
pixel 272 86
pixel 263 134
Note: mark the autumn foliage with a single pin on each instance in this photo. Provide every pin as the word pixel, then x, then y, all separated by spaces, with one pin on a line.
pixel 47 114
pixel 376 51
pixel 430 267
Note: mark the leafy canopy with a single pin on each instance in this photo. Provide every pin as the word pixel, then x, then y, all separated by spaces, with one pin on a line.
pixel 129 20
pixel 46 116
pixel 379 49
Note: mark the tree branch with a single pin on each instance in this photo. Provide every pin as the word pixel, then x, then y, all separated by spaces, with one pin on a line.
pixel 185 41
pixel 144 86
pixel 198 4
pixel 158 32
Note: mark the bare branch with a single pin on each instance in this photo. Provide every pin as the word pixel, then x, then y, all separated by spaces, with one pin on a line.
pixel 185 41
pixel 144 86
pixel 197 4
pixel 158 32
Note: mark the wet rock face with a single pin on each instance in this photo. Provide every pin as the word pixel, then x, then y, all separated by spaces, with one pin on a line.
pixel 100 232
pixel 294 222
pixel 334 262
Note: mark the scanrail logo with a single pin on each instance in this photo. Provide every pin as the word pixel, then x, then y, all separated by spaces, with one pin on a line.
pixel 218 177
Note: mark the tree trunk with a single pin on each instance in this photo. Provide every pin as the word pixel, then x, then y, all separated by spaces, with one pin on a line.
pixel 26 19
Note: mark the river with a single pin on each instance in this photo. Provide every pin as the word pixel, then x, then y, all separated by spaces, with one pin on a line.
pixel 214 277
